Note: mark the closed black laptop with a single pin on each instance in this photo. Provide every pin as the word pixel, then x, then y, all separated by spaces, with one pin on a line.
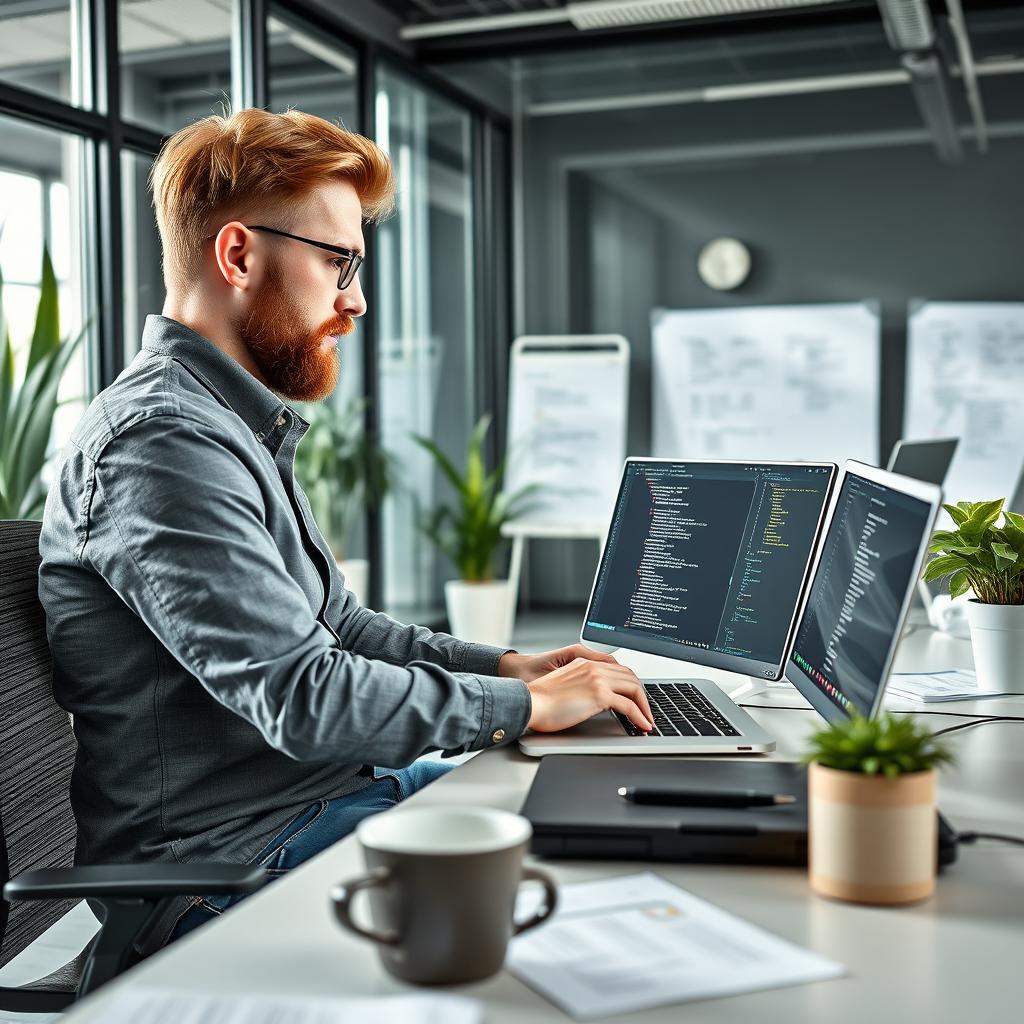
pixel 576 812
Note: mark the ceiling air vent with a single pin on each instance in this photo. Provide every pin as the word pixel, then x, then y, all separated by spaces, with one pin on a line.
pixel 908 24
pixel 591 14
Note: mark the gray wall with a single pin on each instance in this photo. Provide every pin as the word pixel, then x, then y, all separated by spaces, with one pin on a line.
pixel 839 197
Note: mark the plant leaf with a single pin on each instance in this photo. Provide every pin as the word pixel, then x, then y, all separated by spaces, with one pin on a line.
pixel 1004 554
pixel 46 336
pixel 959 583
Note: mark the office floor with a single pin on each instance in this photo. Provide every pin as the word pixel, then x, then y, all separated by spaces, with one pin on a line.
pixel 535 631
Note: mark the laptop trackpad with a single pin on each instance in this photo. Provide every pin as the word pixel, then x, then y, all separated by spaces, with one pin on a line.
pixel 603 725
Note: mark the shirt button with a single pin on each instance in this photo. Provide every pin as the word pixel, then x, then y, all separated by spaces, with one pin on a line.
pixel 498 735
pixel 281 421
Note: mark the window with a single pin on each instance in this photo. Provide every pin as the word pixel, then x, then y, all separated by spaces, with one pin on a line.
pixel 143 276
pixel 175 60
pixel 309 72
pixel 41 48
pixel 426 315
pixel 42 174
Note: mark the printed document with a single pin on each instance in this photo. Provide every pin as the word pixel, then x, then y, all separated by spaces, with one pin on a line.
pixel 157 1006
pixel 637 941
pixel 932 687
pixel 767 382
pixel 965 372
pixel 567 430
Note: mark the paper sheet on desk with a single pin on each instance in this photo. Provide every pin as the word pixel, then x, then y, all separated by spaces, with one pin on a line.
pixel 932 687
pixel 637 941
pixel 157 1006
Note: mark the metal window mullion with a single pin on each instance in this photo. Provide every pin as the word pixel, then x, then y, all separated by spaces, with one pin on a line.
pixel 366 87
pixel 249 54
pixel 107 228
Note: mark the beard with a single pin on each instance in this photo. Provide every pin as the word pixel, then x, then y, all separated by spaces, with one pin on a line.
pixel 296 366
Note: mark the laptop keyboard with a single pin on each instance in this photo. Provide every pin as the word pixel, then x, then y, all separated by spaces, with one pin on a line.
pixel 680 709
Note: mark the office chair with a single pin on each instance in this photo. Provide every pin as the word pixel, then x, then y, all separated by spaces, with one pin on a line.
pixel 37 828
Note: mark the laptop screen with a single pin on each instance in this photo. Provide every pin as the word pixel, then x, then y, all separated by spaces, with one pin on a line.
pixel 707 561
pixel 865 575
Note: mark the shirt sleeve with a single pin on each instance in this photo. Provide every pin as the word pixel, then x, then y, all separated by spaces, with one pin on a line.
pixel 177 529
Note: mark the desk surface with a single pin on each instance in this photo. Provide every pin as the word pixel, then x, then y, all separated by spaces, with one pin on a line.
pixel 956 957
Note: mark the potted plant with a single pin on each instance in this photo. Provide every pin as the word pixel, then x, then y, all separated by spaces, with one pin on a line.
pixel 871 806
pixel 28 405
pixel 478 604
pixel 342 471
pixel 988 560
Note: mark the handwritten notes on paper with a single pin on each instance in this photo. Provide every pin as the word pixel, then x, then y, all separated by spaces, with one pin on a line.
pixel 965 378
pixel 767 382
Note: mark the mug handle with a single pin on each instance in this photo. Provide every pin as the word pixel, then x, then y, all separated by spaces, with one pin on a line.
pixel 550 901
pixel 341 898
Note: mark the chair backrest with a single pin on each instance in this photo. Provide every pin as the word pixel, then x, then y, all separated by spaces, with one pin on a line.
pixel 37 746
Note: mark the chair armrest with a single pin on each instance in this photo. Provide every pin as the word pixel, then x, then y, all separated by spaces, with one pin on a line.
pixel 135 881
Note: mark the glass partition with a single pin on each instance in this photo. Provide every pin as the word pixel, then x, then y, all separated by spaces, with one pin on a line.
pixel 425 309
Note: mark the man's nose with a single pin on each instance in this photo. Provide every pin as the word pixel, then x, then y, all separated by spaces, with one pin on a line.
pixel 350 301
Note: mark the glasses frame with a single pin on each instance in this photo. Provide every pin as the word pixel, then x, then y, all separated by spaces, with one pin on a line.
pixel 347 273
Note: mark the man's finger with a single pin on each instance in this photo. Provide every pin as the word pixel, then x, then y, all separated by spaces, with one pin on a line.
pixel 626 707
pixel 638 695
pixel 579 651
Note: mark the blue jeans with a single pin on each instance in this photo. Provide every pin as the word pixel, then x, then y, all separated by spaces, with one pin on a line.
pixel 317 827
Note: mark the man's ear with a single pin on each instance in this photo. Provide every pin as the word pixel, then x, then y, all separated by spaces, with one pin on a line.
pixel 233 251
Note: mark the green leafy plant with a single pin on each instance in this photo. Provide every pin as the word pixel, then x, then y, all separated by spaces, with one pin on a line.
pixel 470 533
pixel 341 469
pixel 980 556
pixel 887 745
pixel 28 405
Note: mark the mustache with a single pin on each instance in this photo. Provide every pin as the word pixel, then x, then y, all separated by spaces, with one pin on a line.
pixel 338 327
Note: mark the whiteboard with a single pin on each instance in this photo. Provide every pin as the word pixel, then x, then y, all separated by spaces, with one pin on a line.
pixel 767 382
pixel 567 430
pixel 965 378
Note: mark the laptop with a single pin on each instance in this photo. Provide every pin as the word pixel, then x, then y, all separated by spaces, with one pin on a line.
pixel 706 562
pixel 874 548
pixel 923 460
pixel 846 639
pixel 929 461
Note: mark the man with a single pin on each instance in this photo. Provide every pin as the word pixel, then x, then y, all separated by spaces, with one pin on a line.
pixel 230 697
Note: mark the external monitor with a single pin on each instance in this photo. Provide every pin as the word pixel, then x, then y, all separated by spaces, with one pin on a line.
pixel 874 548
pixel 707 561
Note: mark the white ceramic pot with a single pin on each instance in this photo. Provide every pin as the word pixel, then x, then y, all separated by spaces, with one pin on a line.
pixel 872 839
pixel 480 612
pixel 357 577
pixel 997 638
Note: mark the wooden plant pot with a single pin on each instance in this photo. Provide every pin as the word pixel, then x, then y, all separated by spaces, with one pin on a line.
pixel 872 839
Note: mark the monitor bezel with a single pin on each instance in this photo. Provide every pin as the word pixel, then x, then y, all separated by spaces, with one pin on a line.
pixel 931 494
pixel 765 670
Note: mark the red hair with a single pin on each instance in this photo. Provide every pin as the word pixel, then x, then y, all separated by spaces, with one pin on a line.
pixel 226 168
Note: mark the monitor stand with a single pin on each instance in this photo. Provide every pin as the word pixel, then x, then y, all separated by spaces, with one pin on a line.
pixel 754 687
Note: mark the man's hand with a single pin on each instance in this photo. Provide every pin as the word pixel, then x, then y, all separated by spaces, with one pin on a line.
pixel 529 667
pixel 579 690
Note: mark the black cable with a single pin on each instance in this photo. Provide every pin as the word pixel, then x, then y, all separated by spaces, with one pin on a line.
pixel 976 721
pixel 973 837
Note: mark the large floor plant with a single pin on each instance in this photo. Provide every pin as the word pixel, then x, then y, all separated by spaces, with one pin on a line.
pixel 29 402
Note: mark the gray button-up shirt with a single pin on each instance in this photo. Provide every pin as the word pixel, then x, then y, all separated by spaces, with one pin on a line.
pixel 220 675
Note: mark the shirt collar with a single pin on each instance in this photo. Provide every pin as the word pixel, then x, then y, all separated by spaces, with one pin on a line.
pixel 227 379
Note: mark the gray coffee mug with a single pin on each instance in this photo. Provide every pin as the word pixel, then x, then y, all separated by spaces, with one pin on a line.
pixel 442 883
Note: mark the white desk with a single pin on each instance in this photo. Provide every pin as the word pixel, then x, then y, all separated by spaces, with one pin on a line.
pixel 956 958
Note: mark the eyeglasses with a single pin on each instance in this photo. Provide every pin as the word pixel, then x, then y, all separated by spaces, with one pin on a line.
pixel 348 264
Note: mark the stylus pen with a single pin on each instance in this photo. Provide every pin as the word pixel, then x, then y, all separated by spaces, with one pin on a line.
pixel 703 798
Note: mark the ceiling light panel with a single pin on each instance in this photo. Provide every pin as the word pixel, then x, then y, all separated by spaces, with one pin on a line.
pixel 596 14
